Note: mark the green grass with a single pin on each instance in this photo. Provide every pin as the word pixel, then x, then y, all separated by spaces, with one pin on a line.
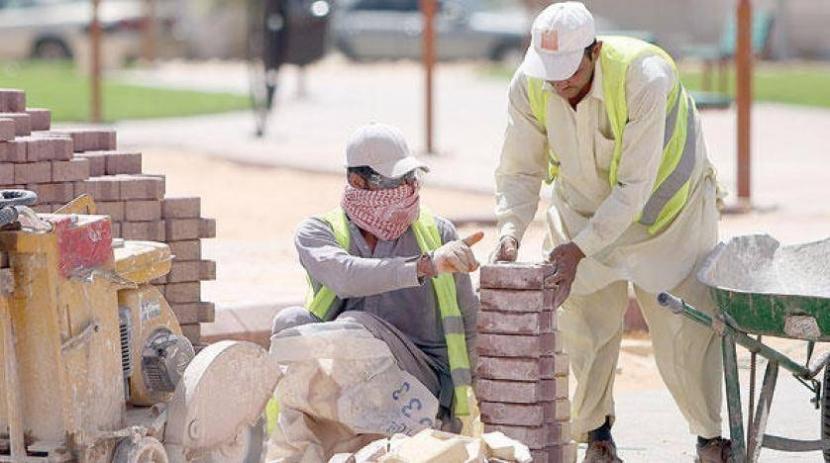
pixel 798 84
pixel 58 87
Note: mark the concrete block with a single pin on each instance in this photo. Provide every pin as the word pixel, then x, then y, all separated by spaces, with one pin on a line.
pixel 511 300
pixel 563 453
pixel 41 119
pixel 207 228
pixel 123 163
pixel 22 123
pixel 182 271
pixel 508 345
pixel 534 323
pixel 12 100
pixel 6 174
pixel 53 193
pixel 33 172
pixel 545 390
pixel 143 231
pixel 116 229
pixel 114 209
pixel 525 414
pixel 186 250
pixel 207 270
pixel 177 293
pixel 538 437
pixel 181 208
pixel 6 129
pixel 97 162
pixel 522 369
pixel 142 210
pixel 12 151
pixel 100 188
pixel 183 229
pixel 197 312
pixel 516 275
pixel 70 171
pixel 192 332
pixel 141 187
pixel 92 139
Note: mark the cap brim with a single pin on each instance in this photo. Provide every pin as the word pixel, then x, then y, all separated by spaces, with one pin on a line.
pixel 552 66
pixel 400 167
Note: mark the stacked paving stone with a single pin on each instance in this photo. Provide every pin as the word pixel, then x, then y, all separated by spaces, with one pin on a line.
pixel 522 384
pixel 60 165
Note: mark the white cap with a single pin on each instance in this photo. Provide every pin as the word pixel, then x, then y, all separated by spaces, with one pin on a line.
pixel 383 148
pixel 558 39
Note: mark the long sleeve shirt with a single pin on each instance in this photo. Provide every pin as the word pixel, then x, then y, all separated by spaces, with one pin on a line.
pixel 385 282
pixel 586 209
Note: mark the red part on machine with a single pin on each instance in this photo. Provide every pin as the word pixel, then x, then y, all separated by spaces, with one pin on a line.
pixel 82 245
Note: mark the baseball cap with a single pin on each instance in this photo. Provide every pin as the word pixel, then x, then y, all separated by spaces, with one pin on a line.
pixel 558 39
pixel 383 148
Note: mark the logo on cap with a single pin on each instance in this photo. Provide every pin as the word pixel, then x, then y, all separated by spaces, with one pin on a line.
pixel 550 40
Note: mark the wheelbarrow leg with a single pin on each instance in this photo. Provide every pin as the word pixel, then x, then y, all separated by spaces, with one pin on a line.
pixel 733 398
pixel 756 436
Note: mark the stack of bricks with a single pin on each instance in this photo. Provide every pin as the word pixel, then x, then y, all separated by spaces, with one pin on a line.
pixel 522 373
pixel 60 165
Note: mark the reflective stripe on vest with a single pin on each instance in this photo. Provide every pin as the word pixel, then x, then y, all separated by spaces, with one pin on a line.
pixel 672 185
pixel 429 239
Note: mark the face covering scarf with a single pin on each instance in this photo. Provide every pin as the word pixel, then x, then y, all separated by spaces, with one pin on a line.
pixel 384 213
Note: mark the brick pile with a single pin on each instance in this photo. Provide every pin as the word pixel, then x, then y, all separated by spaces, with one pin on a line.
pixel 522 384
pixel 59 165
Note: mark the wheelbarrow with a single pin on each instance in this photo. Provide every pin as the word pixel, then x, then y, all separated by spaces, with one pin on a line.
pixel 764 289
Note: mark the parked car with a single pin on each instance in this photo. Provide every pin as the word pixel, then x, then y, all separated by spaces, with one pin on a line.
pixel 59 29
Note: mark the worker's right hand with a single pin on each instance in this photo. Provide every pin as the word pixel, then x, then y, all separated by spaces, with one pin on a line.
pixel 456 256
pixel 506 251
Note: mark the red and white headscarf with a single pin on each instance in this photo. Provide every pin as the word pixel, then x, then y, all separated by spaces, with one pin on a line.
pixel 386 214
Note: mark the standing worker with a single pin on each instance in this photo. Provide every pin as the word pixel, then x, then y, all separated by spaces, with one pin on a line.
pixel 608 121
pixel 382 261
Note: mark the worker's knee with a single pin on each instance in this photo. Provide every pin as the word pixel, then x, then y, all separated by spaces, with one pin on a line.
pixel 290 317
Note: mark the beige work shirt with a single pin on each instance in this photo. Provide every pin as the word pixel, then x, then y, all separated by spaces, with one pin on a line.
pixel 585 208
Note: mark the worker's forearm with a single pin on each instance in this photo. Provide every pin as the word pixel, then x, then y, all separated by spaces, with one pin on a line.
pixel 350 276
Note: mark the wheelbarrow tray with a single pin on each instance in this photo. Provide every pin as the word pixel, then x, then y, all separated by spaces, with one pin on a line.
pixel 771 289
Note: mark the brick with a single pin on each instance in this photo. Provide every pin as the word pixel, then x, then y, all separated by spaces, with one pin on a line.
pixel 60 145
pixel 114 209
pixel 538 437
pixel 92 139
pixel 116 229
pixel 186 250
pixel 182 271
pixel 517 323
pixel 197 312
pixel 181 208
pixel 141 187
pixel 45 148
pixel 525 414
pixel 207 270
pixel 522 369
pixel 183 229
pixel 41 119
pixel 100 188
pixel 516 276
pixel 511 300
pixel 192 332
pixel 562 453
pixel 33 172
pixel 12 100
pixel 53 193
pixel 97 162
pixel 6 174
pixel 70 171
pixel 508 345
pixel 176 293
pixel 123 163
pixel 22 123
pixel 6 129
pixel 143 231
pixel 207 228
pixel 546 390
pixel 42 208
pixel 142 210
pixel 12 151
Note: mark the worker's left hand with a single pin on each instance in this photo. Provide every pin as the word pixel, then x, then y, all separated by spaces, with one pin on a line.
pixel 566 258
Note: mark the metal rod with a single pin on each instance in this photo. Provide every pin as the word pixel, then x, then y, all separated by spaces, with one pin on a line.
pixel 743 96
pixel 756 435
pixel 428 57
pixel 753 364
pixel 733 398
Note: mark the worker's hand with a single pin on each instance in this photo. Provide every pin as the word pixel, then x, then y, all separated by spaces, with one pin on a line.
pixel 566 258
pixel 456 256
pixel 506 251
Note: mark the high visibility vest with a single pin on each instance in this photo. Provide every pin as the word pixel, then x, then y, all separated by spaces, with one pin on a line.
pixel 672 186
pixel 429 239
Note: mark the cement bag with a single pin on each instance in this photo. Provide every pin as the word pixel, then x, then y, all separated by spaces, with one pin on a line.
pixel 337 370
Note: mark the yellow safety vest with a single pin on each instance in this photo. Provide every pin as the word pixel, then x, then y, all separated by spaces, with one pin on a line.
pixel 429 239
pixel 672 186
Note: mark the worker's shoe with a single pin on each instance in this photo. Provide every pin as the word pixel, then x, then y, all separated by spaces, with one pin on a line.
pixel 601 451
pixel 718 450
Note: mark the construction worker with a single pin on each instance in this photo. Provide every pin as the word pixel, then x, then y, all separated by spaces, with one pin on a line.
pixel 388 264
pixel 634 201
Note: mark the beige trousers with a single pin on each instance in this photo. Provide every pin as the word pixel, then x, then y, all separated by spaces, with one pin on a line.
pixel 688 354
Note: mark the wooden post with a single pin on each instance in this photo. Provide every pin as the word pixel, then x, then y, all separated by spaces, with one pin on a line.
pixel 95 71
pixel 743 98
pixel 149 32
pixel 428 57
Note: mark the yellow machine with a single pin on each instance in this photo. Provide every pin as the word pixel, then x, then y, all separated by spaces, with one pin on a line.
pixel 95 368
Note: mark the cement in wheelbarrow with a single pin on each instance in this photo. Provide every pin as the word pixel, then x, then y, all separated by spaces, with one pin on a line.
pixel 772 289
